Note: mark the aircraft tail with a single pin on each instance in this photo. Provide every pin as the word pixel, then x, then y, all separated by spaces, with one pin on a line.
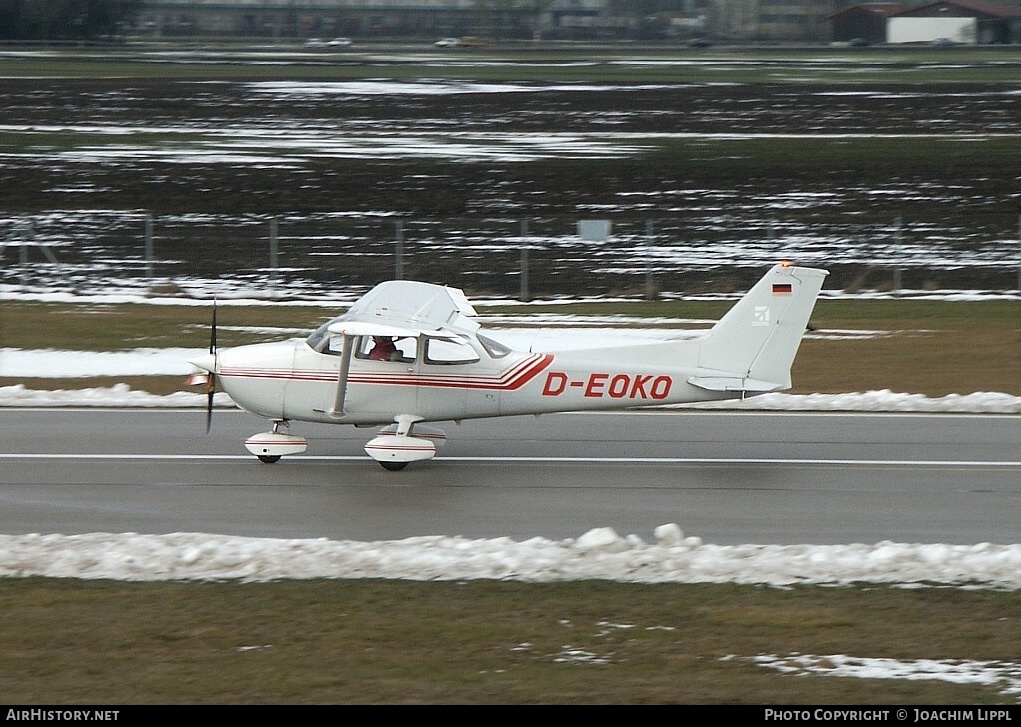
pixel 752 347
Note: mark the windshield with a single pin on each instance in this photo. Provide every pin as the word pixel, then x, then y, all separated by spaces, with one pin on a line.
pixel 320 338
pixel 493 348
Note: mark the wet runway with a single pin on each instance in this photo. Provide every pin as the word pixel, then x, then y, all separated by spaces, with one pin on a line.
pixel 784 478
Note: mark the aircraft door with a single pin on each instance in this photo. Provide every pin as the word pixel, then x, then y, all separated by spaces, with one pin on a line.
pixel 383 378
pixel 297 394
pixel 447 370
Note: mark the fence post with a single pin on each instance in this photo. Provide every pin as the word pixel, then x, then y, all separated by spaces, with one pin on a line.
pixel 148 245
pixel 29 234
pixel 524 262
pixel 30 238
pixel 274 250
pixel 399 252
pixel 897 247
pixel 649 286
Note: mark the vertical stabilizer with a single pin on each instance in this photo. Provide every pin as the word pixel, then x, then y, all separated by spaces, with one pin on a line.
pixel 754 344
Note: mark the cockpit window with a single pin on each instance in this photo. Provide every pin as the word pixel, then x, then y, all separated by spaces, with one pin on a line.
pixel 493 348
pixel 319 340
pixel 443 351
pixel 387 348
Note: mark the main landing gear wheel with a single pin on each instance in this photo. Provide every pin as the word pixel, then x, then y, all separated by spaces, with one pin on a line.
pixel 394 447
pixel 394 466
pixel 269 447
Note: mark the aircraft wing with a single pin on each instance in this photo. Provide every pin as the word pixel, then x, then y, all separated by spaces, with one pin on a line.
pixel 372 328
pixel 412 308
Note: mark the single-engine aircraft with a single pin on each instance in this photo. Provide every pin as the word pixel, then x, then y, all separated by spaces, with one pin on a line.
pixel 409 352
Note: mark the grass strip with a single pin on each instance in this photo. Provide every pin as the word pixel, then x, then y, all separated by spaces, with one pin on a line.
pixel 790 66
pixel 373 641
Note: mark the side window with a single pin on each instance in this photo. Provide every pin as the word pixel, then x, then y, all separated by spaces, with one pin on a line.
pixel 385 348
pixel 439 351
pixel 363 346
pixel 334 345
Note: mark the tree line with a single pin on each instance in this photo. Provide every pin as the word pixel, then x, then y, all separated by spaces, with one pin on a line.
pixel 64 19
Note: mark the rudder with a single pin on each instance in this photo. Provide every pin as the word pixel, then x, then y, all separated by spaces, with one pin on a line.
pixel 754 344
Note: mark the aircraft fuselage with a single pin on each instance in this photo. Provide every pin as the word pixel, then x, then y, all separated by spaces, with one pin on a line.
pixel 290 381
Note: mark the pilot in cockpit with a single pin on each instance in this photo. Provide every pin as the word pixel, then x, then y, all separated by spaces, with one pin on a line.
pixel 383 349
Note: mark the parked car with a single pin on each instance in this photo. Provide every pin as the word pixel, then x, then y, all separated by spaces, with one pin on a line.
pixel 339 43
pixel 858 43
pixel 943 42
pixel 467 41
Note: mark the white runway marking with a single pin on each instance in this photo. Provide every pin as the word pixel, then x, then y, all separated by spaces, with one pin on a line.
pixel 542 460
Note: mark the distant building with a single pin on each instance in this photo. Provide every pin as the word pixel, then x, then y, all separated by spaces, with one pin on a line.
pixel 952 21
pixel 867 22
pixel 958 21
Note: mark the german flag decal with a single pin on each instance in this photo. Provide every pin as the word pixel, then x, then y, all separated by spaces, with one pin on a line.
pixel 782 289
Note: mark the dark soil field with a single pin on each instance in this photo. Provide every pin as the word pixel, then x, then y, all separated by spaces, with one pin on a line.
pixel 858 178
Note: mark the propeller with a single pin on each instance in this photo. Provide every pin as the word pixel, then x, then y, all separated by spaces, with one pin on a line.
pixel 211 379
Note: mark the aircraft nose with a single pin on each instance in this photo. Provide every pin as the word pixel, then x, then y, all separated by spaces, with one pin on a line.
pixel 206 362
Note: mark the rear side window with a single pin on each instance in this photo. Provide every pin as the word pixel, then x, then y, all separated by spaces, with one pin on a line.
pixel 442 352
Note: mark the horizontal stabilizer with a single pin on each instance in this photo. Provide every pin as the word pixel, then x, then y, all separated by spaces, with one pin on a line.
pixel 734 383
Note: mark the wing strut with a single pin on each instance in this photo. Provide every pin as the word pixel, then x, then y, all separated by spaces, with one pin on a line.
pixel 337 412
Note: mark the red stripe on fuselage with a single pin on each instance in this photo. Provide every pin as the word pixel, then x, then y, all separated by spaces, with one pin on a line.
pixel 510 380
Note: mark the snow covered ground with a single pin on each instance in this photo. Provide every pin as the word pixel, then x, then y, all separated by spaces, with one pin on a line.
pixel 600 553
pixel 1004 676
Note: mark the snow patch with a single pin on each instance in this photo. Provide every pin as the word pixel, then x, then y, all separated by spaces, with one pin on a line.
pixel 598 554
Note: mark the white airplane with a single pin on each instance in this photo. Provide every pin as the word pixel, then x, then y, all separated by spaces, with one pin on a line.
pixel 410 352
